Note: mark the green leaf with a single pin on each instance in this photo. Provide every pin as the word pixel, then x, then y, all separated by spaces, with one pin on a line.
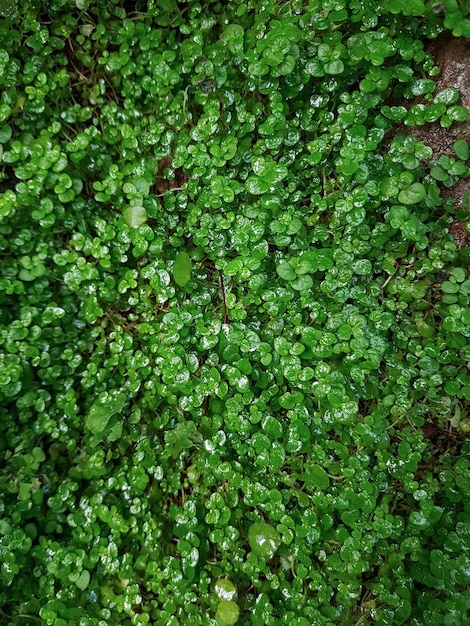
pixel 234 266
pixel 458 169
pixel 228 613
pixel 457 113
pixel 233 38
pixel 182 268
pixel 264 539
pixel 447 96
pixel 415 193
pixel 83 580
pixel 257 186
pixel 406 7
pixel 225 589
pixel 317 477
pixel 135 216
pixel 450 287
pixel 181 438
pixel 275 172
pixel 334 67
pixel 438 173
pixel 462 150
pixel 5 134
pixel 102 410
pixel 7 7
pixel 286 271
pixel 398 215
pixel 142 186
pixel 38 454
pixel 302 283
pixel 24 492
pixel 115 432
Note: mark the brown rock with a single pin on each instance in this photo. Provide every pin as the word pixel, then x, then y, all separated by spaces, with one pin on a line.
pixel 459 233
pixel 452 56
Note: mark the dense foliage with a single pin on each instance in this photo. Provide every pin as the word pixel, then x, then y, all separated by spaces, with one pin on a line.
pixel 234 333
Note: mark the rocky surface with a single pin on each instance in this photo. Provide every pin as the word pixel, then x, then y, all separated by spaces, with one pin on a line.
pixel 452 56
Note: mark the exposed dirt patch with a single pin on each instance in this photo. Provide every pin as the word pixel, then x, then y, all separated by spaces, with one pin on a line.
pixel 168 178
pixel 452 55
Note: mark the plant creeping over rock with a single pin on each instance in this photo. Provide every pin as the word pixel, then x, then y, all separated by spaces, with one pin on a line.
pixel 234 331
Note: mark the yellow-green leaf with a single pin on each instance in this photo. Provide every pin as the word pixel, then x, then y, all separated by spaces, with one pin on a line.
pixel 182 268
pixel 135 216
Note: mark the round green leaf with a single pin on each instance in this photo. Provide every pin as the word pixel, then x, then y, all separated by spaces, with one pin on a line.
pixel 413 194
pixel 225 589
pixel 135 216
pixel 363 267
pixel 286 271
pixel 334 67
pixel 302 283
pixel 228 612
pixel 457 113
pixel 257 186
pixel 264 539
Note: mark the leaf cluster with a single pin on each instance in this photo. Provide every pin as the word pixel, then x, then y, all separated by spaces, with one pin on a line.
pixel 234 332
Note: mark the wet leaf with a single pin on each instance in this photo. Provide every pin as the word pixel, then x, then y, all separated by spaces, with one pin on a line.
pixel 264 539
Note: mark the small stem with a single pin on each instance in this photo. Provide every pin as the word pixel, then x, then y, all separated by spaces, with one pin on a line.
pixel 159 195
pixel 223 295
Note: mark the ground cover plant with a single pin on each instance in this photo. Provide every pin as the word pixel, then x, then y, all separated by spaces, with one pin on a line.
pixel 234 333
